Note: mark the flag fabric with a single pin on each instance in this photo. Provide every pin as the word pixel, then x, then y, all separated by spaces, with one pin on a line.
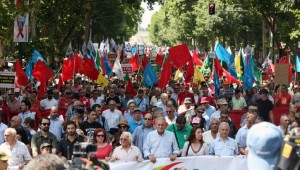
pixel 223 54
pixel 229 77
pixel 257 74
pixel 248 77
pixel 216 82
pixel 77 62
pixel 129 88
pixel 198 76
pixel 101 80
pixel 42 73
pixel 177 74
pixel 189 71
pixel 144 62
pixel 88 68
pixel 297 64
pixel 37 56
pixel 20 74
pixel 114 45
pixel 218 67
pixel 91 49
pixel 60 82
pixel 117 69
pixel 107 66
pixel 135 62
pixel 98 60
pixel 67 70
pixel 84 49
pixel 237 62
pixel 165 74
pixel 149 76
pixel 69 52
pixel 28 70
pixel 179 55
pixel 196 59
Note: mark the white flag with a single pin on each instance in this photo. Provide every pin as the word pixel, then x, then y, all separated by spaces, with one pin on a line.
pixel 117 69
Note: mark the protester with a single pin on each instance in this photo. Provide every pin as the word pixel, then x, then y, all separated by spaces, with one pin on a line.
pixel 195 145
pixel 104 149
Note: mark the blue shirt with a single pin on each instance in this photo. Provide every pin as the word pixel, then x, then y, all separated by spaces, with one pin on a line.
pixel 160 146
pixel 241 137
pixel 163 106
pixel 142 103
pixel 133 124
pixel 23 116
pixel 209 111
pixel 56 128
pixel 103 122
pixel 139 136
pixel 128 116
pixel 227 147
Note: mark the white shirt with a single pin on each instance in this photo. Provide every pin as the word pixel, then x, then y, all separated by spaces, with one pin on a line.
pixel 207 137
pixel 99 101
pixel 112 118
pixel 188 114
pixel 133 154
pixel 3 127
pixel 18 155
pixel 46 104
pixel 170 121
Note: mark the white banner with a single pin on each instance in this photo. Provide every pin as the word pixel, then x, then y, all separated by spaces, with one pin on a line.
pixel 21 28
pixel 188 163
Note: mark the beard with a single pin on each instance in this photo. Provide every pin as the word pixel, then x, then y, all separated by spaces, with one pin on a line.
pixel 46 129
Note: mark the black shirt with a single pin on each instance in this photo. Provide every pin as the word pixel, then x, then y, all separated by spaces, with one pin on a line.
pixel 264 107
pixel 65 147
pixel 89 128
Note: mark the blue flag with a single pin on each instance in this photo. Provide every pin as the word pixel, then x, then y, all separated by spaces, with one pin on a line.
pixel 217 82
pixel 223 54
pixel 297 64
pixel 248 77
pixel 231 68
pixel 28 70
pixel 37 56
pixel 107 66
pixel 149 75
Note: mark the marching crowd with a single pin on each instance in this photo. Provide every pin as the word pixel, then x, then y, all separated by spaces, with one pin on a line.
pixel 180 120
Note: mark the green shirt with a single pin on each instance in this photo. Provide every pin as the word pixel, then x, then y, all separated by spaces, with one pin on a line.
pixel 181 135
pixel 37 140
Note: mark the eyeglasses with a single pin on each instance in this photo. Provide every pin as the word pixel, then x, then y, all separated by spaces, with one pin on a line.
pixel 168 111
pixel 45 124
pixel 147 119
pixel 100 136
pixel 200 112
pixel 123 139
pixel 123 127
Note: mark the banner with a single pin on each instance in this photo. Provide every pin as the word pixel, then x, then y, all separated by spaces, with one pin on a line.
pixel 7 79
pixel 21 23
pixel 187 163
pixel 281 74
pixel 126 68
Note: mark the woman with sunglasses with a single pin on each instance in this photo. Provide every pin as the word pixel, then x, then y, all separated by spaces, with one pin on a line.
pixel 104 149
pixel 195 145
pixel 123 127
pixel 127 151
pixel 199 114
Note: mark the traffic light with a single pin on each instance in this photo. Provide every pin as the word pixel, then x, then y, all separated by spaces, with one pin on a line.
pixel 212 8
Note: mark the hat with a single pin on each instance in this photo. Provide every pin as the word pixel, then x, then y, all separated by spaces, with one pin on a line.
pixel 67 92
pixel 252 108
pixel 170 89
pixel 137 109
pixel 263 91
pixel 222 101
pixel 186 86
pixel 129 102
pixel 204 100
pixel 196 120
pixel 17 90
pixel 123 122
pixel 187 100
pixel 264 143
pixel 45 145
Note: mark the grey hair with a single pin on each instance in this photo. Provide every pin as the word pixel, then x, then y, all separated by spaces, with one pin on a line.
pixel 160 118
pixel 11 131
pixel 224 124
pixel 128 134
pixel 163 95
pixel 215 119
pixel 46 162
pixel 158 110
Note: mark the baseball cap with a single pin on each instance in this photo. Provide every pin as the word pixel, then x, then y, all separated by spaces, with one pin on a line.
pixel 187 100
pixel 252 108
pixel 204 100
pixel 17 90
pixel 137 110
pixel 196 120
pixel 264 143
pixel 45 145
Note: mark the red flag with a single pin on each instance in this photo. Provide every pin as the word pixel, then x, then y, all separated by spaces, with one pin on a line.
pixel 230 78
pixel 179 55
pixel 21 76
pixel 196 59
pixel 77 62
pixel 189 71
pixel 144 62
pixel 60 82
pixel 67 70
pixel 165 74
pixel 129 87
pixel 88 68
pixel 42 73
pixel 218 67
pixel 159 58
pixel 135 62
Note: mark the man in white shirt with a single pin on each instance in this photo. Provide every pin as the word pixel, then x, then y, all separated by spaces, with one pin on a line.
pixel 112 115
pixel 47 103
pixel 212 134
pixel 3 127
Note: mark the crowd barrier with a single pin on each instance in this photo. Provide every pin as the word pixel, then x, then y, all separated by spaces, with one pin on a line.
pixel 188 163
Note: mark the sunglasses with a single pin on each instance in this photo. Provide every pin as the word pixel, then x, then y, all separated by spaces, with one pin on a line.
pixel 200 112
pixel 123 127
pixel 168 111
pixel 100 136
pixel 45 124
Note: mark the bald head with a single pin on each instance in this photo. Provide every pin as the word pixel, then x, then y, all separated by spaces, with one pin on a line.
pixel 15 122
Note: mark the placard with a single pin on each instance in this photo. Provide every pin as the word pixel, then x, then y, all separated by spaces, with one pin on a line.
pixel 7 79
pixel 281 73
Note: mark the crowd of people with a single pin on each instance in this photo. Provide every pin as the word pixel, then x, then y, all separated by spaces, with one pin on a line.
pixel 180 120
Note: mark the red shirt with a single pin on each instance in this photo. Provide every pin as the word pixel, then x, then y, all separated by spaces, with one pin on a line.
pixel 284 99
pixel 63 105
pixel 183 95
pixel 85 101
pixel 103 152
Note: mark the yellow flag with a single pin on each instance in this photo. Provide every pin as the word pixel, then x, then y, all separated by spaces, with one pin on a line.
pixel 198 76
pixel 101 81
pixel 237 63
pixel 177 74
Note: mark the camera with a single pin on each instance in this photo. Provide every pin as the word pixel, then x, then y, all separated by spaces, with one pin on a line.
pixel 289 158
pixel 80 110
pixel 83 149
